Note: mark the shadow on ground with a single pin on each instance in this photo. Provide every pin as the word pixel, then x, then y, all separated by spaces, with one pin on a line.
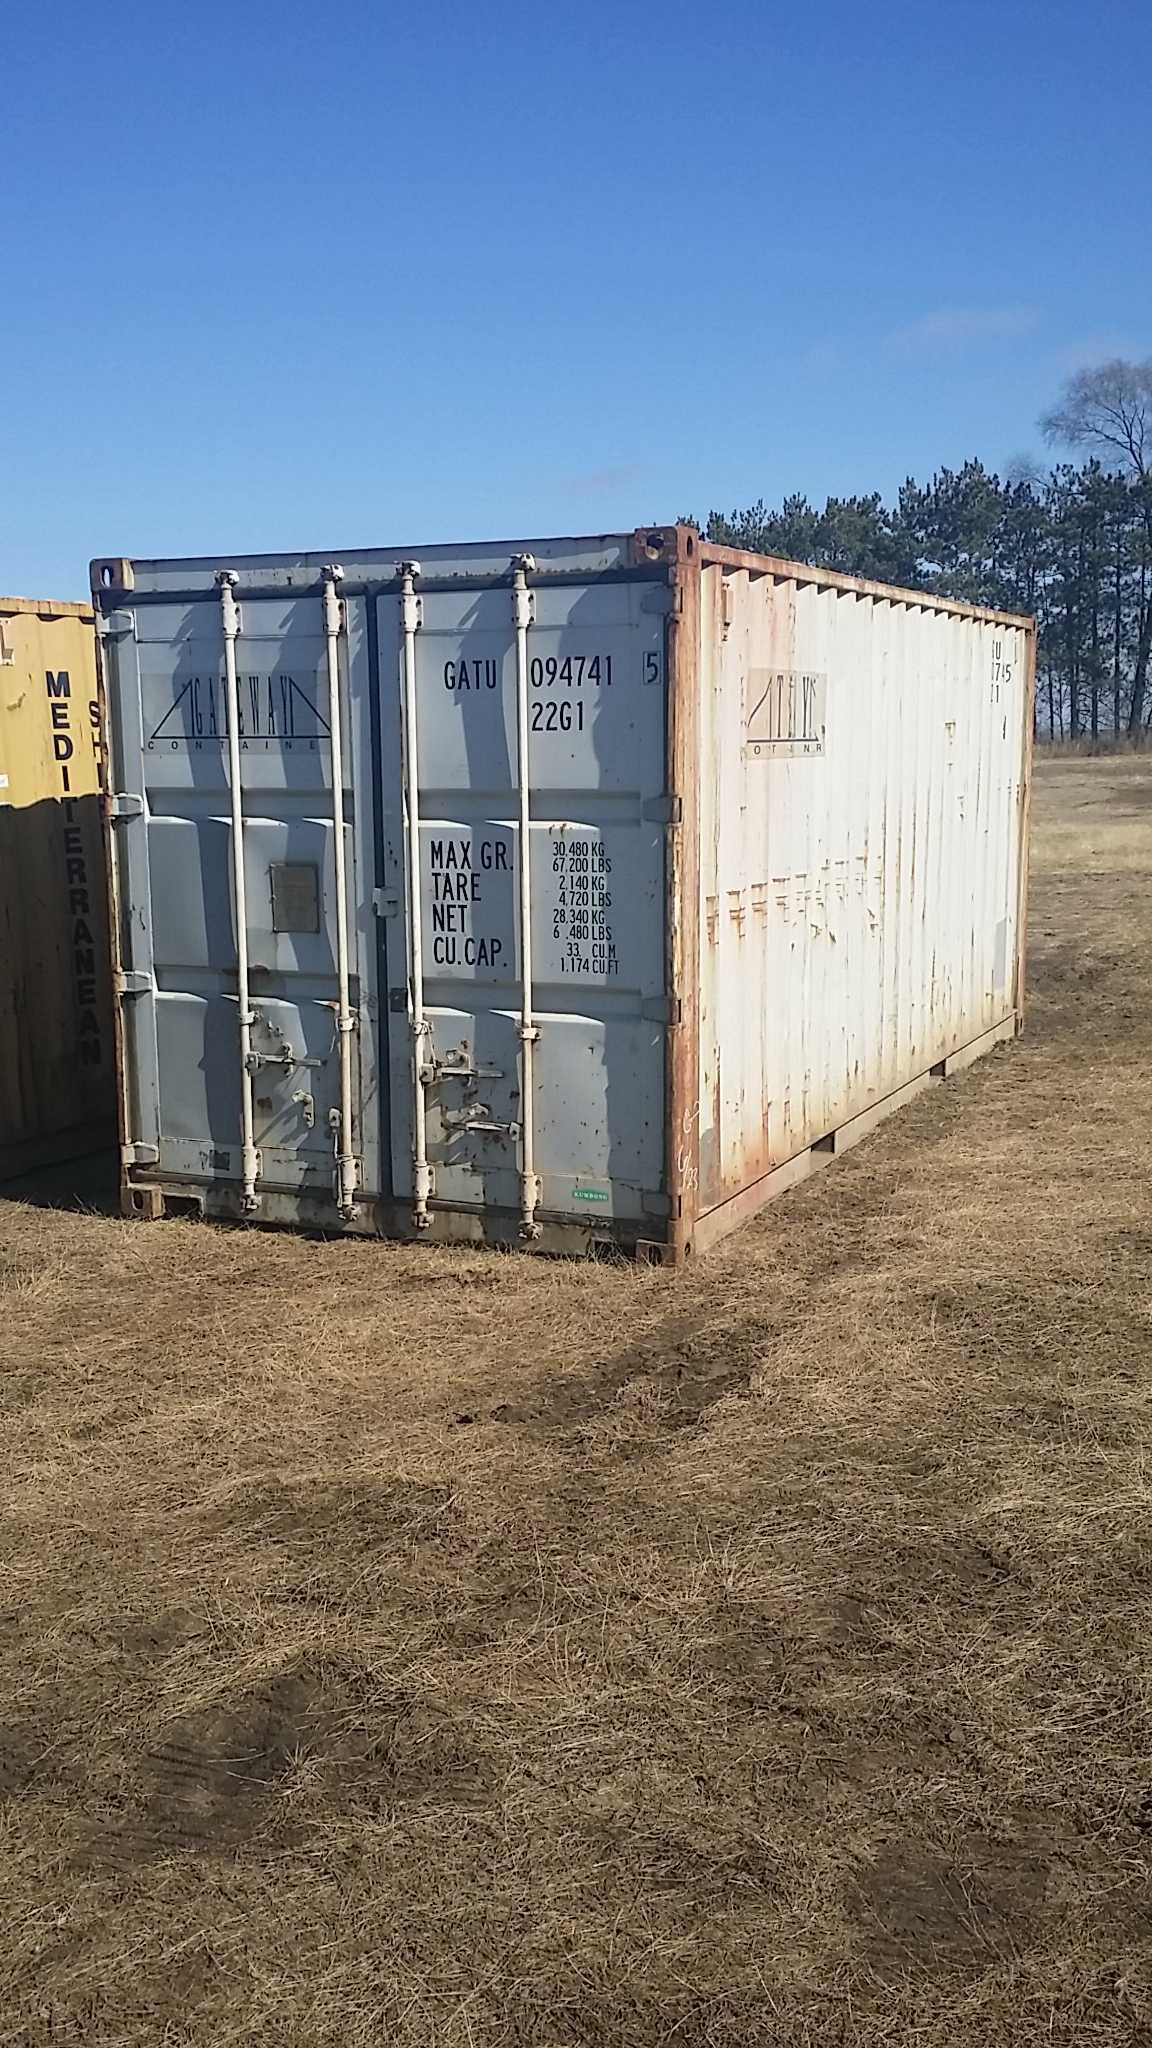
pixel 89 1183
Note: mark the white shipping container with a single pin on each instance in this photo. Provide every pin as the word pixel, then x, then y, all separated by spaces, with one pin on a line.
pixel 562 893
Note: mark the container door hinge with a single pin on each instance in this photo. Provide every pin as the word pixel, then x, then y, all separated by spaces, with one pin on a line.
pixel 655 1202
pixel 663 810
pixel 385 902
pixel 123 804
pixel 661 1009
pixel 130 981
pixel 140 1155
pixel 115 625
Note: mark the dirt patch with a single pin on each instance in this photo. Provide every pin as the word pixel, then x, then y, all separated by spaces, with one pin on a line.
pixel 150 1639
pixel 23 1762
pixel 679 1373
pixel 213 1777
pixel 427 1753
pixel 213 1771
pixel 917 1906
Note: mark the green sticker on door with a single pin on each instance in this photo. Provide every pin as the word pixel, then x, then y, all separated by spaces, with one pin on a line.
pixel 590 1195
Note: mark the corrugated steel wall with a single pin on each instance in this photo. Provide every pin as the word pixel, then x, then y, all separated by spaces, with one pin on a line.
pixel 56 1052
pixel 861 761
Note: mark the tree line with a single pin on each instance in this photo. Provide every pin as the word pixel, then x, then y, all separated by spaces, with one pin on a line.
pixel 1071 545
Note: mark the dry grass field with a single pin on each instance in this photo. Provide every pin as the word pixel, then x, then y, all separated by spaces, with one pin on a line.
pixel 439 1650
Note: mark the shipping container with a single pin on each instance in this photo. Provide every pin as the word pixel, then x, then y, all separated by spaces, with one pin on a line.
pixel 57 1087
pixel 565 893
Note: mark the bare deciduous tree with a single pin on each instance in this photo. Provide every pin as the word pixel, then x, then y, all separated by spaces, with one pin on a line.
pixel 1109 410
pixel 1072 546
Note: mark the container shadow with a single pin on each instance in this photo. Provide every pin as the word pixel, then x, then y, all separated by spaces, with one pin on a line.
pixel 90 1183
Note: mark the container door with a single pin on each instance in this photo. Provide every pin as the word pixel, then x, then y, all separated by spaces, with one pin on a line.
pixel 599 818
pixel 168 708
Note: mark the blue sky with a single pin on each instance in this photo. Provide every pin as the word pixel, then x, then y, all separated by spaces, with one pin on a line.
pixel 290 276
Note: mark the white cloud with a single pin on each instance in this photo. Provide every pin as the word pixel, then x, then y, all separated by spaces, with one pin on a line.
pixel 957 326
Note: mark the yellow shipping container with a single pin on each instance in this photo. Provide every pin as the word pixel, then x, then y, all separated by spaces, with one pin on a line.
pixel 56 1052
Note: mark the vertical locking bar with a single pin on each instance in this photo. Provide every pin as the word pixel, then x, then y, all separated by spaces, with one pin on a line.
pixel 346 1169
pixel 411 619
pixel 227 580
pixel 523 614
